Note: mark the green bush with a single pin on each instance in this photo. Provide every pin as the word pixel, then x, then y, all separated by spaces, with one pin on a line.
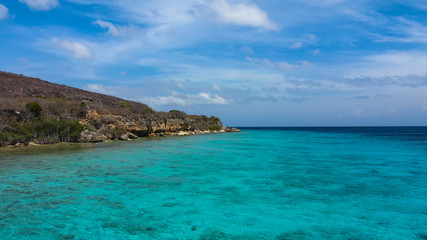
pixel 58 130
pixel 214 128
pixel 82 111
pixel 123 104
pixel 148 110
pixel 34 108
pixel 214 119
pixel 47 130
pixel 21 134
pixel 175 114
pixel 113 133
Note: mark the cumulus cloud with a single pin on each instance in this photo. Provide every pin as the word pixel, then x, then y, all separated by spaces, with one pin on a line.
pixel 243 14
pixel 42 5
pixel 79 49
pixel 4 12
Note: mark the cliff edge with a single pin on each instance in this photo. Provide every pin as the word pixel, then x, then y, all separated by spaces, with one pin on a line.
pixel 33 111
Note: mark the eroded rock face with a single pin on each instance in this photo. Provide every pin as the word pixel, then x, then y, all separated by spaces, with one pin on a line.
pixel 230 129
pixel 155 125
pixel 132 136
pixel 124 137
pixel 135 128
pixel 107 117
pixel 88 136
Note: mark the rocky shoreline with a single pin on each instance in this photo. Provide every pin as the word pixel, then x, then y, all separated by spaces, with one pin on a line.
pixel 88 136
pixel 95 137
pixel 33 111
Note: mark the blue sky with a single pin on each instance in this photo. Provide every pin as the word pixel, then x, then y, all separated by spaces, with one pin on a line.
pixel 249 62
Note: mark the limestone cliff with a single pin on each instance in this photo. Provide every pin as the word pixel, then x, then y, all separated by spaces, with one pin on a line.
pixel 33 110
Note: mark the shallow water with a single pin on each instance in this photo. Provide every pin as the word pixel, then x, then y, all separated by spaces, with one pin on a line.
pixel 257 184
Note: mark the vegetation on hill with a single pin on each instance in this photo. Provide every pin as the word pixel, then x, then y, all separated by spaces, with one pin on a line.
pixel 33 110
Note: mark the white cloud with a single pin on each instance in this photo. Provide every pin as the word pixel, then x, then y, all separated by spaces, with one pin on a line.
pixel 79 49
pixel 311 37
pixel 409 31
pixel 4 12
pixel 112 29
pixel 100 89
pixel 282 66
pixel 315 52
pixel 243 14
pixel 392 64
pixel 202 98
pixel 209 99
pixel 247 50
pixel 296 45
pixel 308 39
pixel 358 16
pixel 43 5
pixel 162 101
pixel 216 87
pixel 324 3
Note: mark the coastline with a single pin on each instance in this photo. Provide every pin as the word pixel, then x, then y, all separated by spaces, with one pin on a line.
pixel 35 145
pixel 34 111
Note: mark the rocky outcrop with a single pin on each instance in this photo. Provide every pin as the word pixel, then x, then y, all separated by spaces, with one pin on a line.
pixel 88 136
pixel 116 127
pixel 132 136
pixel 230 129
pixel 33 110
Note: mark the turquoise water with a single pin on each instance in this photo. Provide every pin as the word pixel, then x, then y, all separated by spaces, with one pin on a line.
pixel 280 184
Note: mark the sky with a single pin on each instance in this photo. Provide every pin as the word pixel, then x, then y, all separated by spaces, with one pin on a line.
pixel 249 62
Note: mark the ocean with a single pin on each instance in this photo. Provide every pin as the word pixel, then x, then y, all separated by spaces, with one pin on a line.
pixel 262 183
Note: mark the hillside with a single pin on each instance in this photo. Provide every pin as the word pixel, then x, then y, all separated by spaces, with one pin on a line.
pixel 37 111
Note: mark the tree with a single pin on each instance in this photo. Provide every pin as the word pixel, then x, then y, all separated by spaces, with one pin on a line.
pixel 34 108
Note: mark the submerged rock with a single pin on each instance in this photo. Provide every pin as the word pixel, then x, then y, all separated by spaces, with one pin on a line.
pixel 422 236
pixel 213 234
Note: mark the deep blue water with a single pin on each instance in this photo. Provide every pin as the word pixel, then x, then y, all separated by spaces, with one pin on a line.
pixel 275 183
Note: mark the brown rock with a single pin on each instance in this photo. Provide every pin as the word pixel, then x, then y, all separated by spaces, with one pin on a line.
pixel 88 136
pixel 132 136
pixel 124 137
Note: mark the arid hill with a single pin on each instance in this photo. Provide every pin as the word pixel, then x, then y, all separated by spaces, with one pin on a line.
pixel 16 90
pixel 37 111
